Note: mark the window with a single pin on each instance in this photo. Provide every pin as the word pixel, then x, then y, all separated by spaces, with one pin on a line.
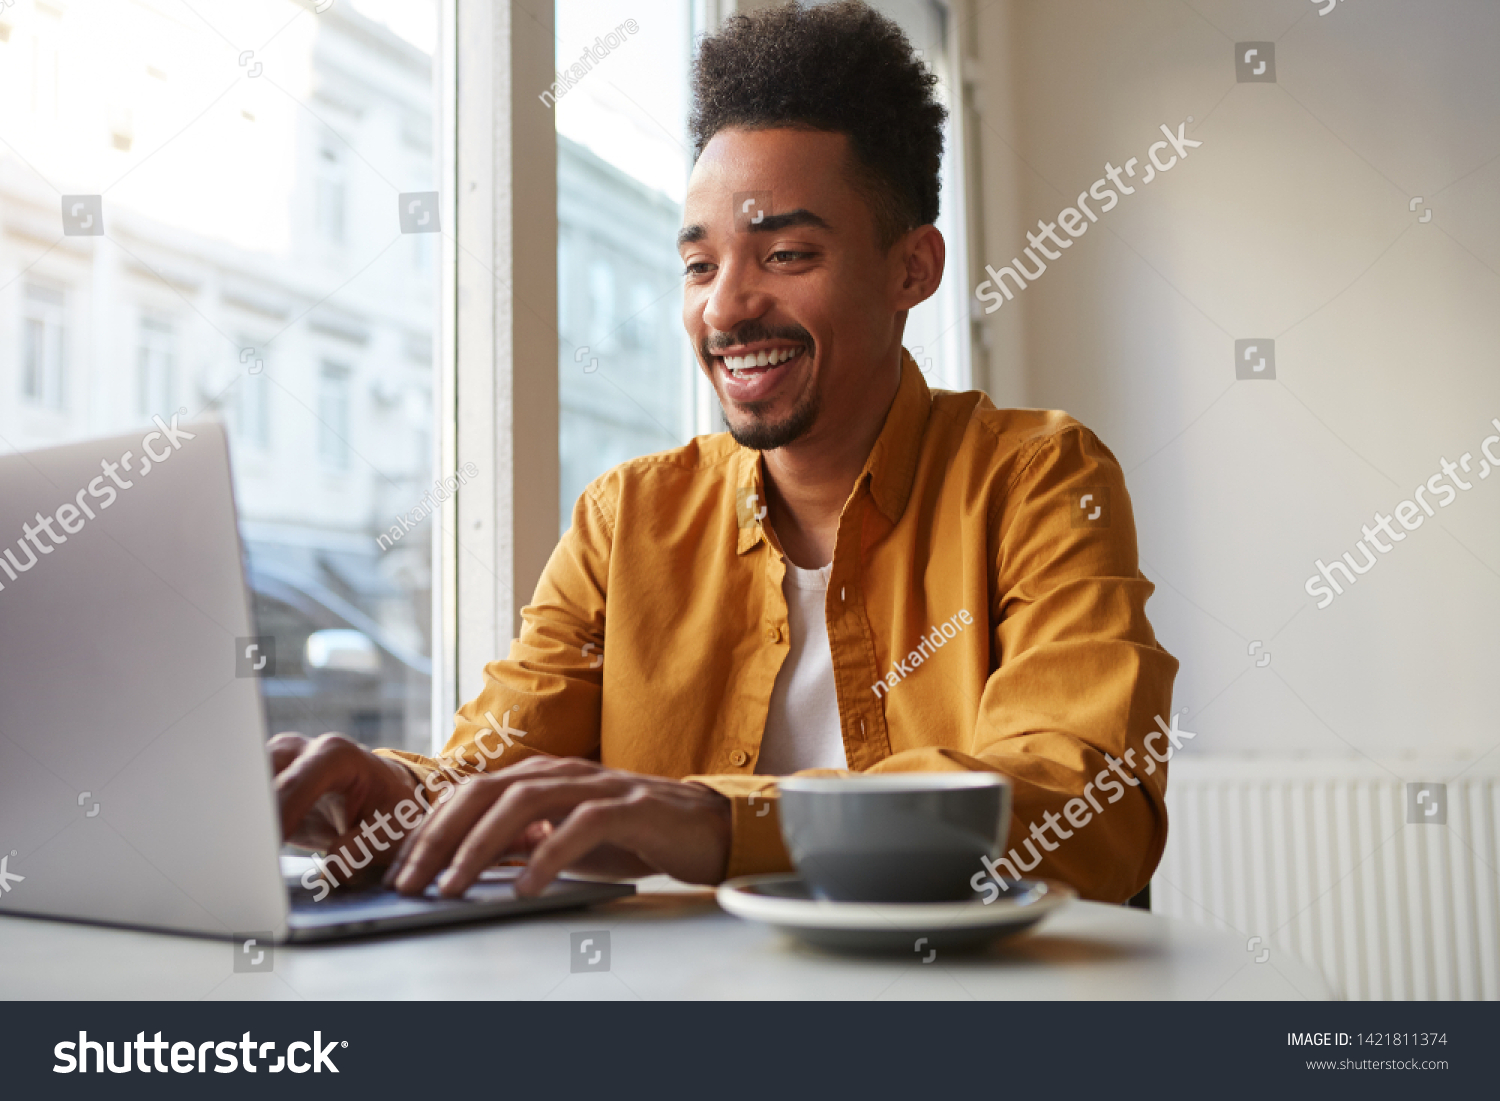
pixel 44 357
pixel 333 415
pixel 222 138
pixel 250 406
pixel 938 330
pixel 328 195
pixel 155 367
pixel 255 153
pixel 626 377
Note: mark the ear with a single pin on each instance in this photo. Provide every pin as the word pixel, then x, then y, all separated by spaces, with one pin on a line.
pixel 919 257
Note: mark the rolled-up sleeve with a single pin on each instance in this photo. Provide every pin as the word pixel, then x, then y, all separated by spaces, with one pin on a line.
pixel 544 698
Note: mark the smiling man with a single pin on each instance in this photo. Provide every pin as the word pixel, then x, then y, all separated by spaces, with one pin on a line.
pixel 860 575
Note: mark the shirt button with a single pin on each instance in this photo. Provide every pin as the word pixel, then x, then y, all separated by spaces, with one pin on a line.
pixel 772 634
pixel 738 758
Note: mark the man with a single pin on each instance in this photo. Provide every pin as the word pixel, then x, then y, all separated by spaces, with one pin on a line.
pixel 860 575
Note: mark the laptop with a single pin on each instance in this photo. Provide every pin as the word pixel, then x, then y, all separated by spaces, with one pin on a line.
pixel 135 788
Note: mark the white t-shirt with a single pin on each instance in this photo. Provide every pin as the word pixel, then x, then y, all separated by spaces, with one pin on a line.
pixel 802 725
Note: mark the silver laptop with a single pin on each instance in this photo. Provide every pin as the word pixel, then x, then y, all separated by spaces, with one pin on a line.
pixel 134 784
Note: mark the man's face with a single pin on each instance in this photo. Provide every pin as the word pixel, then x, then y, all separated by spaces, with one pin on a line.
pixel 790 301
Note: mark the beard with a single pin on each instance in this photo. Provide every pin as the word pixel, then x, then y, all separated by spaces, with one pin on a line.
pixel 761 433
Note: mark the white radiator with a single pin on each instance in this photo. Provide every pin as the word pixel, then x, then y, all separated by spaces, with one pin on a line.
pixel 1317 858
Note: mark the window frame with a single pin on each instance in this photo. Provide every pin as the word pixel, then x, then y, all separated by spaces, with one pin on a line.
pixel 497 163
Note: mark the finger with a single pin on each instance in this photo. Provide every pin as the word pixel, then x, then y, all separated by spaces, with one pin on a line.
pixel 329 763
pixel 535 834
pixel 284 749
pixel 415 835
pixel 620 822
pixel 467 851
pixel 501 828
pixel 432 844
pixel 504 825
pixel 354 845
pixel 428 847
pixel 435 805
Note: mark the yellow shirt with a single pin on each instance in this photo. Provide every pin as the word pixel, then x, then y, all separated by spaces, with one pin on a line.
pixel 985 612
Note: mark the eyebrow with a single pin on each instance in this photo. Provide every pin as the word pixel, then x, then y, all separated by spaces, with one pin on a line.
pixel 771 223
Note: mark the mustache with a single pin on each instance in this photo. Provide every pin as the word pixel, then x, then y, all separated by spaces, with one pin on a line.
pixel 752 332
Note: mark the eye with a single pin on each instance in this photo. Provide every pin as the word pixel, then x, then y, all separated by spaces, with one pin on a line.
pixel 698 267
pixel 788 256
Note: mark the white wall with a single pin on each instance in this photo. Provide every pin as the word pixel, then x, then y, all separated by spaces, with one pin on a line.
pixel 1291 221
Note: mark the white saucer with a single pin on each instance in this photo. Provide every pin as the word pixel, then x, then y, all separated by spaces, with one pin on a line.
pixel 785 903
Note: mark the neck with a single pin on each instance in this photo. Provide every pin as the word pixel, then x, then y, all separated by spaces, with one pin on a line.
pixel 808 482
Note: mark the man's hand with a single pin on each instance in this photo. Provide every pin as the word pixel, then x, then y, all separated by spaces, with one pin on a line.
pixel 328 786
pixel 565 812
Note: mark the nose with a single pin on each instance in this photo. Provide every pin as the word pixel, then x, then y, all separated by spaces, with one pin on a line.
pixel 738 295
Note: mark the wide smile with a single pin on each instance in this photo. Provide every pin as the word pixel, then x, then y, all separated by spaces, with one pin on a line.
pixel 750 373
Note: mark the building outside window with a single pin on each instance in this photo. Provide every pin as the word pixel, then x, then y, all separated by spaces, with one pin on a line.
pixel 625 376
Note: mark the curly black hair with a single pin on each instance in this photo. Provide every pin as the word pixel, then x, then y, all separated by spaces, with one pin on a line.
pixel 842 68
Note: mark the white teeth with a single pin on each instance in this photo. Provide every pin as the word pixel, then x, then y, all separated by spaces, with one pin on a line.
pixel 738 364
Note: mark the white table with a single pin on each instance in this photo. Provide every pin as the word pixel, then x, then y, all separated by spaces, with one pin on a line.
pixel 669 942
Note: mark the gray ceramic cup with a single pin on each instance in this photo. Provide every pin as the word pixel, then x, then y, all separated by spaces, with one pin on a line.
pixel 894 837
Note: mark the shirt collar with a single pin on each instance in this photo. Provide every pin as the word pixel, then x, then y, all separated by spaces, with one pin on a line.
pixel 891 467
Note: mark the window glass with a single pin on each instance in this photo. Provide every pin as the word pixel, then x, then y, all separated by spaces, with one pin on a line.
pixel 937 330
pixel 232 246
pixel 625 373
